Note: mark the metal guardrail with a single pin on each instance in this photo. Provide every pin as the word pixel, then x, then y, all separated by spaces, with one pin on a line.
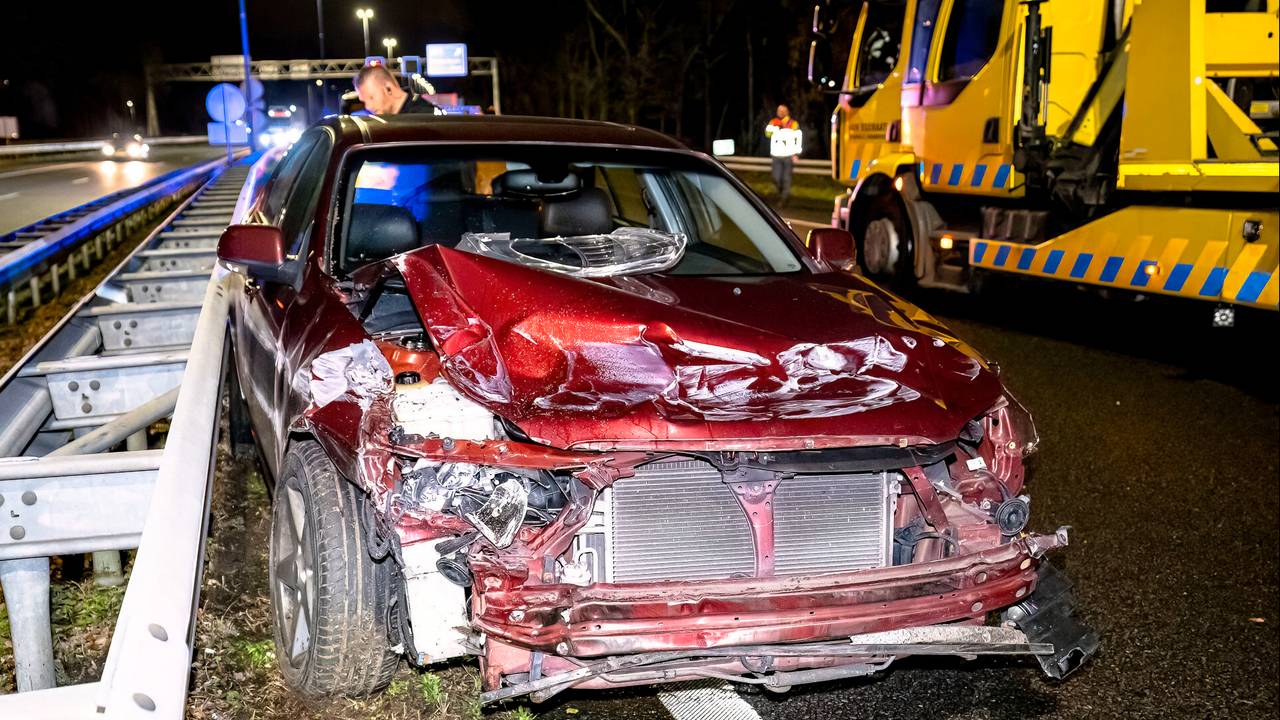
pixel 55 148
pixel 37 257
pixel 149 341
pixel 742 163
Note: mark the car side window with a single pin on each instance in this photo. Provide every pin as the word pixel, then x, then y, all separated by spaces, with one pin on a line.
pixel 287 173
pixel 299 208
pixel 972 33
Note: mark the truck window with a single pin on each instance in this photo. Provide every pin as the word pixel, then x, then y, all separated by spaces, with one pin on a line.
pixel 921 37
pixel 971 38
pixel 881 44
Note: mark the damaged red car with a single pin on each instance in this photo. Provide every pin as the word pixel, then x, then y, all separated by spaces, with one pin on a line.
pixel 567 397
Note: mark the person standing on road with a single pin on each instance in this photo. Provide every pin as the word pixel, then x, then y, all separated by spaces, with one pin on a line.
pixel 784 137
pixel 381 94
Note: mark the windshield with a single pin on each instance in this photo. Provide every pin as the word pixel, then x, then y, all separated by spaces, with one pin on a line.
pixel 554 209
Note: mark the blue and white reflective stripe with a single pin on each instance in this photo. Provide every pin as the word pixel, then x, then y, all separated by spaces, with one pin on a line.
pixel 1253 286
pixel 1028 256
pixel 1178 277
pixel 1002 255
pixel 1213 284
pixel 1053 261
pixel 1002 177
pixel 1111 269
pixel 1142 275
pixel 1082 265
pixel 979 251
pixel 953 174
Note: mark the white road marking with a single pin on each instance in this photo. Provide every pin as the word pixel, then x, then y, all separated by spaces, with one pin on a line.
pixel 80 181
pixel 707 700
pixel 45 168
pixel 8 196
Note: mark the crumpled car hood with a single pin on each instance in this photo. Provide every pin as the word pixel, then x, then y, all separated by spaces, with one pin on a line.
pixel 661 361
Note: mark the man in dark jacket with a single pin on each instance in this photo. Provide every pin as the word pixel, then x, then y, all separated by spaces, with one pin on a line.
pixel 381 93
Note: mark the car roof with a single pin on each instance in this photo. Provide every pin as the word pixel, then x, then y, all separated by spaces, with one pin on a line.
pixel 355 129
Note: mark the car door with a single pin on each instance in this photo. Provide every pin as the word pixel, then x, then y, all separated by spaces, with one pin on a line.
pixel 289 203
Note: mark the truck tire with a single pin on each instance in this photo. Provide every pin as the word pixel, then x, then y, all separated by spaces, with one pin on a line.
pixel 328 596
pixel 883 235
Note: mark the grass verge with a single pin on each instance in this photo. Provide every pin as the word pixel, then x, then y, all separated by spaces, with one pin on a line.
pixel 808 192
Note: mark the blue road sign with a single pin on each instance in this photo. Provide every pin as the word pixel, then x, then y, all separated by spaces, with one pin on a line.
pixel 446 59
pixel 225 102
pixel 226 105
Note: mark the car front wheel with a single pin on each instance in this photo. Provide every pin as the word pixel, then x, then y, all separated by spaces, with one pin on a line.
pixel 328 596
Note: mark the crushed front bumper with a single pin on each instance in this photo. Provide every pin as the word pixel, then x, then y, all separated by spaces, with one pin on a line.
pixel 616 619
pixel 600 633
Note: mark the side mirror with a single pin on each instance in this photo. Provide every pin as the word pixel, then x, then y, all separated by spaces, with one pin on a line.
pixel 832 247
pixel 257 251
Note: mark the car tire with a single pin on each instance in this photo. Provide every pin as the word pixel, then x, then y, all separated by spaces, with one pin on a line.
pixel 328 596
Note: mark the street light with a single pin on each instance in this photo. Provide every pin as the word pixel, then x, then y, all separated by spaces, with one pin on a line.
pixel 365 15
pixel 129 104
pixel 390 44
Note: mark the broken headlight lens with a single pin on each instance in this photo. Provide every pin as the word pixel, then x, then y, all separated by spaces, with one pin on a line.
pixel 497 502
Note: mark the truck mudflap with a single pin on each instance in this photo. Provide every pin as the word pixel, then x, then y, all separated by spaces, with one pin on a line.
pixel 1048 616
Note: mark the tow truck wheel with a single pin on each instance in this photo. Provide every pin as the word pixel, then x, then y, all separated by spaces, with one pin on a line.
pixel 880 247
pixel 880 227
pixel 328 596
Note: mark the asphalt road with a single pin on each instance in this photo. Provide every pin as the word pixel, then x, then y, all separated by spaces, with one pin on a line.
pixel 34 189
pixel 1160 447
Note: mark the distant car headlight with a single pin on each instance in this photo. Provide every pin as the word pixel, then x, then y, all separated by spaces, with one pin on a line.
pixel 108 149
pixel 135 150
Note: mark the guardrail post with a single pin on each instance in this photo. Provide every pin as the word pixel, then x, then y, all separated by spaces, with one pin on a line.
pixel 107 570
pixel 26 596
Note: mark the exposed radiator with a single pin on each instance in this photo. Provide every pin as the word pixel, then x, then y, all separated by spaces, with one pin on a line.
pixel 832 523
pixel 677 520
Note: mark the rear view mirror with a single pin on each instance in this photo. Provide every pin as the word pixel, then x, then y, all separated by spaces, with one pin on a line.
pixel 257 251
pixel 832 247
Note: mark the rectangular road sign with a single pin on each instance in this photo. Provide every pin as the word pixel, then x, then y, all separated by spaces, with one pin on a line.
pixel 446 59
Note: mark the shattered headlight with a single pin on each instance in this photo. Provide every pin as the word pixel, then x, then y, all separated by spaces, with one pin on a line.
pixel 495 501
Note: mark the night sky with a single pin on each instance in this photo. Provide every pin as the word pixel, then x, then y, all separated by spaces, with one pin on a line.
pixel 66 69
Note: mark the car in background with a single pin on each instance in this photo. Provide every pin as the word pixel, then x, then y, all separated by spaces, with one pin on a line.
pixel 567 397
pixel 126 147
pixel 283 129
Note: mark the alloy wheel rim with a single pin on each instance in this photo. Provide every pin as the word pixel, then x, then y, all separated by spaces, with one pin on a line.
pixel 294 581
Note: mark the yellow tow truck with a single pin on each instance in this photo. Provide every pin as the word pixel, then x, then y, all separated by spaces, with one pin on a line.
pixel 1126 144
